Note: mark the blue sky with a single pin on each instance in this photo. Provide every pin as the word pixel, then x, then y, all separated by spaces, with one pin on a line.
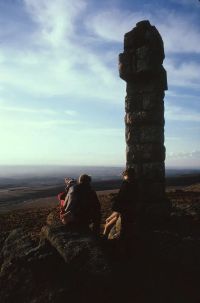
pixel 61 99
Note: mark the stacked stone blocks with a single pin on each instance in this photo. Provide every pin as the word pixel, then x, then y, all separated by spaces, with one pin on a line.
pixel 140 65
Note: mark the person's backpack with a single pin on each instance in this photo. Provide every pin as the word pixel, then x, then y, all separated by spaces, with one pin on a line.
pixel 62 196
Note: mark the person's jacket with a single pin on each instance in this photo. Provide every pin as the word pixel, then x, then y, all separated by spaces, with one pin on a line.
pixel 126 200
pixel 84 205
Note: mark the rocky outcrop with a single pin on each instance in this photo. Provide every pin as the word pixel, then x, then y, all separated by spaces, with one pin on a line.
pixel 72 265
pixel 66 265
pixel 79 249
pixel 23 268
pixel 17 246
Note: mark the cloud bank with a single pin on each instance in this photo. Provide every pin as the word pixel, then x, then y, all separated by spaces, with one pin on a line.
pixel 59 57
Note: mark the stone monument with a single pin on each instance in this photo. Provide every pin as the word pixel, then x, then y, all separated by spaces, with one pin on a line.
pixel 140 65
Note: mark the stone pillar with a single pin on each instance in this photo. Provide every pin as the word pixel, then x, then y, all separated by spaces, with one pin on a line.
pixel 140 65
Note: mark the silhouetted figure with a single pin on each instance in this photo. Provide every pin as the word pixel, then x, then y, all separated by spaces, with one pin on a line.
pixel 82 206
pixel 125 205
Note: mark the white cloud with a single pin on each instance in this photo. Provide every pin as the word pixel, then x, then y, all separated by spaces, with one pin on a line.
pixel 56 19
pixel 181 95
pixel 50 123
pixel 183 159
pixel 180 34
pixel 33 124
pixel 185 74
pixel 177 113
pixel 59 62
pixel 110 132
pixel 172 138
pixel 71 113
pixel 27 110
pixel 187 2
pixel 179 31
pixel 184 155
pixel 112 24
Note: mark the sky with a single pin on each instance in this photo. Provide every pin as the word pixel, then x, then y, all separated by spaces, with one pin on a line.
pixel 61 98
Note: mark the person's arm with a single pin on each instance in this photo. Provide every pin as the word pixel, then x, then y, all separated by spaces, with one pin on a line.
pixel 115 214
pixel 109 224
pixel 67 217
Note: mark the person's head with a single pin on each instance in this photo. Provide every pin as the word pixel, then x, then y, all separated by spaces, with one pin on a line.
pixel 69 182
pixel 129 174
pixel 84 179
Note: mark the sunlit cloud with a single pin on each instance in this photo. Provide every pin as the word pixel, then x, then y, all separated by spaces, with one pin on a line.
pixel 172 93
pixel 184 159
pixel 57 63
pixel 185 74
pixel 71 113
pixel 105 24
pixel 27 110
pixel 185 155
pixel 55 19
pixel 110 132
pixel 177 29
pixel 176 113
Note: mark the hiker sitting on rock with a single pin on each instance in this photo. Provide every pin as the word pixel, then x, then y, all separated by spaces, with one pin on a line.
pixel 69 182
pixel 124 205
pixel 82 206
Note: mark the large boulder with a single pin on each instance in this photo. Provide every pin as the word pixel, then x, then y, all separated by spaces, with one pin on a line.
pixel 79 249
pixel 27 272
pixel 53 218
pixel 17 246
pixel 65 265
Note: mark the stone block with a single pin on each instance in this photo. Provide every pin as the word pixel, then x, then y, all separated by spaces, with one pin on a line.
pixel 142 135
pixel 132 135
pixel 133 103
pixel 152 134
pixel 153 171
pixel 153 101
pixel 78 248
pixel 125 66
pixel 152 191
pixel 145 45
pixel 144 85
pixel 143 62
pixel 145 152
pixel 137 168
pixel 145 117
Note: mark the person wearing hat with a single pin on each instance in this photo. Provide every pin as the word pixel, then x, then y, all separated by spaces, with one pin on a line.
pixel 83 207
pixel 124 205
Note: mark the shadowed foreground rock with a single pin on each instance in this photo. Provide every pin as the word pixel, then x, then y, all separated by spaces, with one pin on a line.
pixel 66 266
pixel 78 249
pixel 160 266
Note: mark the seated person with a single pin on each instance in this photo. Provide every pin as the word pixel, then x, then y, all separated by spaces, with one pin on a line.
pixel 124 205
pixel 69 182
pixel 82 206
